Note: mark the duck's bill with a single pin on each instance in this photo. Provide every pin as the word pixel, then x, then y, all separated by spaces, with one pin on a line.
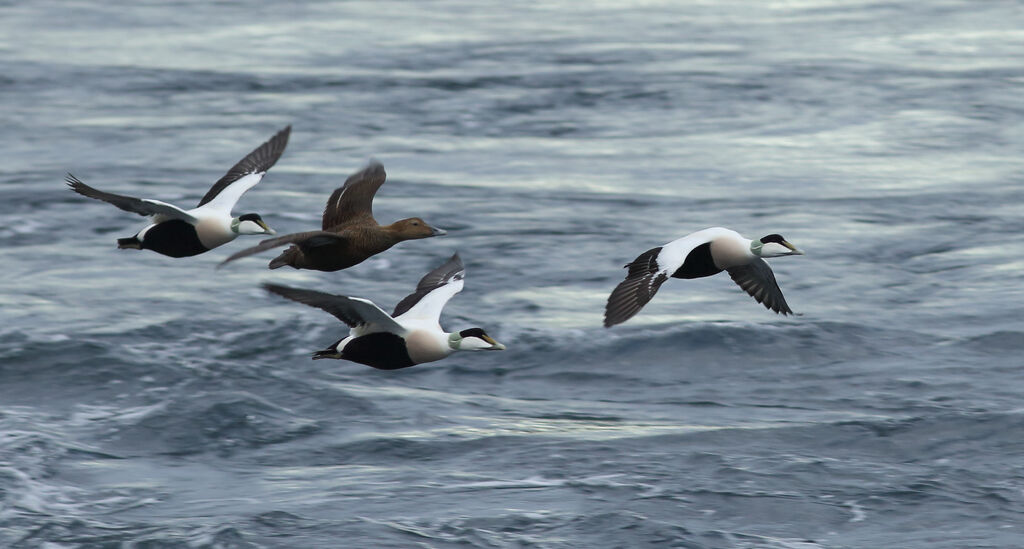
pixel 495 346
pixel 266 229
pixel 434 231
pixel 792 248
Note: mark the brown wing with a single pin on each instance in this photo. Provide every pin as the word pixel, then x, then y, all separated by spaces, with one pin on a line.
pixel 758 280
pixel 304 239
pixel 354 199
pixel 644 278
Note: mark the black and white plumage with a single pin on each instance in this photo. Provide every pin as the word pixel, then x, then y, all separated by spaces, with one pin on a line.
pixel 700 254
pixel 411 335
pixel 177 232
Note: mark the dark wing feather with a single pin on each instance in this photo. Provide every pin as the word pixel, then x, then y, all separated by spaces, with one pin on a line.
pixel 260 160
pixel 337 305
pixel 453 269
pixel 642 282
pixel 355 198
pixel 353 311
pixel 129 203
pixel 758 280
pixel 303 240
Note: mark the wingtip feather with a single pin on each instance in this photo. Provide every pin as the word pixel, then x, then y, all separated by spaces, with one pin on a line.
pixel 74 183
pixel 273 288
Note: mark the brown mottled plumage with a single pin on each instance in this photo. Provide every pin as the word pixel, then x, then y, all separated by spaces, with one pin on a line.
pixel 349 233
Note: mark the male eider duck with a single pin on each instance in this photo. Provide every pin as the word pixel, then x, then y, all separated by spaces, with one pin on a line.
pixel 697 255
pixel 410 335
pixel 349 234
pixel 181 233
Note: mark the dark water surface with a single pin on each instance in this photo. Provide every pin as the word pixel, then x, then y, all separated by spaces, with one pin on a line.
pixel 147 402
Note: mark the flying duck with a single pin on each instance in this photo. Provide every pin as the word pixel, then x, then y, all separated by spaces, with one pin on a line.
pixel 410 335
pixel 349 234
pixel 697 255
pixel 177 232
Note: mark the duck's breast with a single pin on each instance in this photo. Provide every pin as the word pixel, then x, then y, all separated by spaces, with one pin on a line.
pixel 730 250
pixel 427 345
pixel 214 231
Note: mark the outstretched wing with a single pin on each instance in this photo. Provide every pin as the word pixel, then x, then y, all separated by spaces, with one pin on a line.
pixel 304 240
pixel 141 206
pixel 353 311
pixel 246 173
pixel 758 280
pixel 433 291
pixel 354 199
pixel 644 278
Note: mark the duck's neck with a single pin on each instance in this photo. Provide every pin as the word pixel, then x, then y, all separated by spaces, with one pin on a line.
pixel 755 248
pixel 454 341
pixel 393 233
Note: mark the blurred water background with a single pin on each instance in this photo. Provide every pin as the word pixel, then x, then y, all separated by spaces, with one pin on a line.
pixel 148 402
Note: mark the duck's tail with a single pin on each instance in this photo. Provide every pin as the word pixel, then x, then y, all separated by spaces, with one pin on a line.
pixel 327 353
pixel 130 243
pixel 287 257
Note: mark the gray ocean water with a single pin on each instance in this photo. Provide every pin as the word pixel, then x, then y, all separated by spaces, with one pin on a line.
pixel 149 402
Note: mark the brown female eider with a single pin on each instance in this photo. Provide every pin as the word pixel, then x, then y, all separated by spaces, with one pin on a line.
pixel 349 234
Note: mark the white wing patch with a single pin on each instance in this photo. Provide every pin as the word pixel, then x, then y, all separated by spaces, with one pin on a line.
pixel 227 198
pixel 429 307
pixel 376 319
pixel 167 212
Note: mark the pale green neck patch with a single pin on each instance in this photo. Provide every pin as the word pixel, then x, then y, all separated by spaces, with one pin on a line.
pixel 234 225
pixel 755 247
pixel 454 341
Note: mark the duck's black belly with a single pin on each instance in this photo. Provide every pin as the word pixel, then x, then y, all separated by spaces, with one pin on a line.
pixel 175 238
pixel 698 263
pixel 382 350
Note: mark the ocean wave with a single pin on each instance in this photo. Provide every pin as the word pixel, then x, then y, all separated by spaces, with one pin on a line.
pixel 207 421
pixel 999 342
pixel 705 345
pixel 549 529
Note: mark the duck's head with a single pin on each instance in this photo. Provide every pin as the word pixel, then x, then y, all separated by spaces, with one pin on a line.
pixel 414 227
pixel 773 245
pixel 473 339
pixel 250 223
